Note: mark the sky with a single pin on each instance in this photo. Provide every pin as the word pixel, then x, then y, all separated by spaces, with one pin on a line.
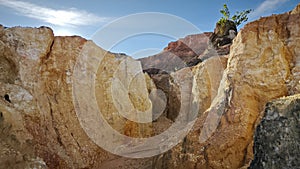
pixel 136 27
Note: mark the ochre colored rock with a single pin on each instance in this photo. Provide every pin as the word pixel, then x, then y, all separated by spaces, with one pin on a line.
pixel 38 120
pixel 207 75
pixel 53 90
pixel 263 65
pixel 21 50
pixel 296 9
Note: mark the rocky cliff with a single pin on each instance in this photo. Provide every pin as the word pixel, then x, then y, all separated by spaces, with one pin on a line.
pixel 191 50
pixel 39 82
pixel 262 65
pixel 54 91
pixel 179 54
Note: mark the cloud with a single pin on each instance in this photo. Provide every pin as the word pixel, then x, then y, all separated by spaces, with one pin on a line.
pixel 71 17
pixel 266 8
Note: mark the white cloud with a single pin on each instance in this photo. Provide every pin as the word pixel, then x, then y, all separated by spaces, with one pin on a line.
pixel 71 17
pixel 266 8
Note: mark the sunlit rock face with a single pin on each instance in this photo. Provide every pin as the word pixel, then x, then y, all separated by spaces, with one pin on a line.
pixel 262 65
pixel 55 89
pixel 21 50
pixel 49 82
pixel 39 124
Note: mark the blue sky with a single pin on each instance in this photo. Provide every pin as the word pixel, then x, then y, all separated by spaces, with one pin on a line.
pixel 86 18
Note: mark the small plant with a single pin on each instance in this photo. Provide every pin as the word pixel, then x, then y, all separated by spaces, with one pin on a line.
pixel 237 18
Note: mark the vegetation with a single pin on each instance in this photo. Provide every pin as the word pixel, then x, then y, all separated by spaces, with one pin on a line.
pixel 237 18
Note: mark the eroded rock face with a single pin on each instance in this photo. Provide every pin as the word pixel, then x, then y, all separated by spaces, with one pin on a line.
pixel 263 65
pixel 41 126
pixel 277 137
pixel 19 73
pixel 178 54
pixel 38 120
pixel 207 75
pixel 191 50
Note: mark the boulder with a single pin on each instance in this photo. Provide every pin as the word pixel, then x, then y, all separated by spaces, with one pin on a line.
pixel 277 137
pixel 223 34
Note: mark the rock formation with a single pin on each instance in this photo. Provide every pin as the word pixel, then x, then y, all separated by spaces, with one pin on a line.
pixel 54 89
pixel 223 34
pixel 191 50
pixel 39 125
pixel 263 65
pixel 178 54
pixel 277 137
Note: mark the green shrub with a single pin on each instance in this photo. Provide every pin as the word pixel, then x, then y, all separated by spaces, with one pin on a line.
pixel 237 18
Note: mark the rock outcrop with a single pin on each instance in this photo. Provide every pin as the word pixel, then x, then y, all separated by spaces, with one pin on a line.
pixel 21 50
pixel 179 54
pixel 277 137
pixel 55 89
pixel 39 124
pixel 223 34
pixel 191 50
pixel 263 65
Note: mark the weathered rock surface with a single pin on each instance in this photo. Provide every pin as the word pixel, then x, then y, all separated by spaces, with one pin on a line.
pixel 190 50
pixel 207 76
pixel 45 80
pixel 21 49
pixel 39 124
pixel 277 137
pixel 223 34
pixel 178 54
pixel 263 65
